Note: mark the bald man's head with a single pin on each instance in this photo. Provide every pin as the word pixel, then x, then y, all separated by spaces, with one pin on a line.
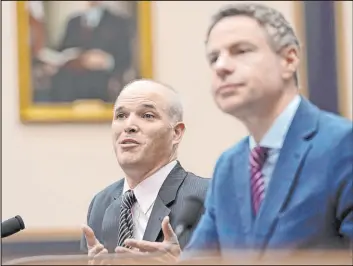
pixel 147 126
pixel 172 98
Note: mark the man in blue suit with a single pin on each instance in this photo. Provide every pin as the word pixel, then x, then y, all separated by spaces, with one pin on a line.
pixel 289 184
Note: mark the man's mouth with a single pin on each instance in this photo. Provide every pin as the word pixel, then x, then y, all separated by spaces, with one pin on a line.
pixel 129 143
pixel 229 89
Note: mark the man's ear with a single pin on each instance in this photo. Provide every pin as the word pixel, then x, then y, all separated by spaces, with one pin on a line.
pixel 290 61
pixel 179 130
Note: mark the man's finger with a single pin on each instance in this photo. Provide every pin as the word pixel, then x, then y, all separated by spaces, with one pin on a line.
pixel 126 250
pixel 102 252
pixel 93 251
pixel 89 235
pixel 169 235
pixel 97 258
pixel 143 245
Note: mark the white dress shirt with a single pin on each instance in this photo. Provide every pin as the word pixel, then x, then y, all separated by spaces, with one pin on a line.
pixel 146 193
pixel 274 138
pixel 93 16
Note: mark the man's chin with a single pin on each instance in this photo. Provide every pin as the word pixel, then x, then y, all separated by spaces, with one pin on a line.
pixel 233 109
pixel 129 160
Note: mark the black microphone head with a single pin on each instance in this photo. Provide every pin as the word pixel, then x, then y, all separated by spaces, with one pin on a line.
pixel 20 221
pixel 191 211
pixel 12 226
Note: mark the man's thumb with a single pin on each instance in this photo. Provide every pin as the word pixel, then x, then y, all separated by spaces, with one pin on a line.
pixel 89 235
pixel 168 232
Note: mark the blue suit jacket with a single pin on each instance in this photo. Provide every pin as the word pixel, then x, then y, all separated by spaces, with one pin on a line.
pixel 309 201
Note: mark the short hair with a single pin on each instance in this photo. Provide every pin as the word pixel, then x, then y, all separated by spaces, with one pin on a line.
pixel 176 111
pixel 279 31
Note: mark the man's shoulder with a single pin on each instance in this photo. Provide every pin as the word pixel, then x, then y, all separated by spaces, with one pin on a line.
pixel 199 181
pixel 74 18
pixel 333 133
pixel 116 17
pixel 325 124
pixel 334 137
pixel 233 151
pixel 193 185
pixel 334 125
pixel 110 191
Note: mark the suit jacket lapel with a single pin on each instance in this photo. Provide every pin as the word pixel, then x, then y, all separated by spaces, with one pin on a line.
pixel 159 211
pixel 111 220
pixel 242 187
pixel 292 154
pixel 166 196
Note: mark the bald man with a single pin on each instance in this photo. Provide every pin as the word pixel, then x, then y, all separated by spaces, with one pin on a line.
pixel 147 129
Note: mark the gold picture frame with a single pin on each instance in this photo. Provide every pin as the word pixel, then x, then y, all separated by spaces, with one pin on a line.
pixel 76 111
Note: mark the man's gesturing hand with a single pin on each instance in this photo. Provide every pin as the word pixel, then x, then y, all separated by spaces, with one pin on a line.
pixel 170 246
pixel 94 247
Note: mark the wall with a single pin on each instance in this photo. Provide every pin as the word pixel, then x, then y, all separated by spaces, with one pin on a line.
pixel 51 172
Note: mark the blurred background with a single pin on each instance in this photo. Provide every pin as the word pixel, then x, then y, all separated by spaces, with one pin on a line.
pixel 51 171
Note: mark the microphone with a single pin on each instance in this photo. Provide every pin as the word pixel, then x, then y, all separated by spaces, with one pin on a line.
pixel 189 215
pixel 12 226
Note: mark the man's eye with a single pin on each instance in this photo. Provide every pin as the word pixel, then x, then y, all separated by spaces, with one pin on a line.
pixel 148 116
pixel 120 116
pixel 245 51
pixel 212 59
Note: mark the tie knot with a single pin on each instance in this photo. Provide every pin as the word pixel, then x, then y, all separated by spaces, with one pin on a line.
pixel 260 150
pixel 128 199
pixel 259 156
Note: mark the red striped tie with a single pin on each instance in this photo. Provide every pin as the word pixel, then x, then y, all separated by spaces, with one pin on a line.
pixel 258 157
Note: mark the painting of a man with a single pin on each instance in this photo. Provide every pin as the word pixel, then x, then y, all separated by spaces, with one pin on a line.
pixel 93 57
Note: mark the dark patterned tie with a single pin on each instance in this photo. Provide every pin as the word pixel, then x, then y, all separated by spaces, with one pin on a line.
pixel 258 157
pixel 126 224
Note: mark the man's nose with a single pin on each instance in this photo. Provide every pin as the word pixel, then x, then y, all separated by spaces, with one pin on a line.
pixel 223 66
pixel 131 125
pixel 131 129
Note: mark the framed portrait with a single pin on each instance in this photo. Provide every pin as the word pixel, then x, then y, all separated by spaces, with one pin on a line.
pixel 76 56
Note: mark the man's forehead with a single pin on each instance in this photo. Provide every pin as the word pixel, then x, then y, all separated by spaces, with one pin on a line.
pixel 137 102
pixel 137 106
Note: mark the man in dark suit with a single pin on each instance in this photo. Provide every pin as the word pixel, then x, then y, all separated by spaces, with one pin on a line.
pixel 288 185
pixel 104 41
pixel 147 129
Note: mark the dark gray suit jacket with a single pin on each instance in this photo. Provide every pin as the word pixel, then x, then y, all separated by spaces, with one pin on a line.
pixel 104 210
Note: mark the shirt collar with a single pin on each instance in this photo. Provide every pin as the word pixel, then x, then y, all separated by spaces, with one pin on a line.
pixel 146 192
pixel 275 136
pixel 94 15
